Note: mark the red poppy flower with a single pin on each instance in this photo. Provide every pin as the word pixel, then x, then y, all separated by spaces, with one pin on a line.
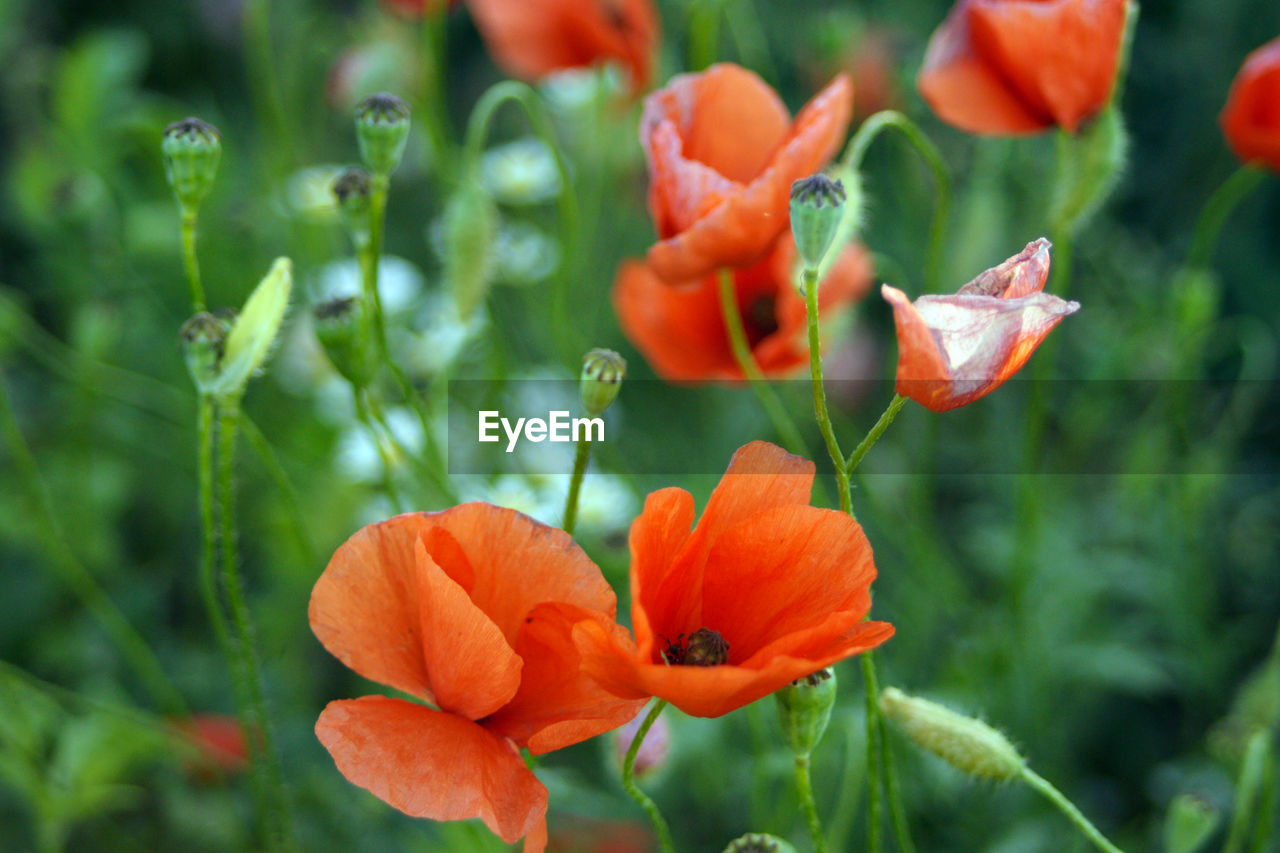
pixel 954 349
pixel 723 153
pixel 219 741
pixel 1251 118
pixel 532 38
pixel 471 610
pixel 1022 66
pixel 681 331
pixel 766 589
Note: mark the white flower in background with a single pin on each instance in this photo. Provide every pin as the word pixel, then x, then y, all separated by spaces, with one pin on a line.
pixel 576 89
pixel 308 194
pixel 605 504
pixel 357 456
pixel 521 172
pixel 524 255
pixel 518 492
pixel 400 282
pixel 440 334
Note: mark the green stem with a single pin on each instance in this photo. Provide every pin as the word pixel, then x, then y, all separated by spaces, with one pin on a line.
pixel 189 262
pixel 76 576
pixel 857 149
pixel 575 483
pixel 436 112
pixel 820 392
pixel 782 422
pixel 208 526
pixel 886 418
pixel 805 787
pixel 704 33
pixel 388 481
pixel 264 82
pixel 1068 808
pixel 629 782
pixel 1215 213
pixel 897 812
pixel 280 477
pixel 874 760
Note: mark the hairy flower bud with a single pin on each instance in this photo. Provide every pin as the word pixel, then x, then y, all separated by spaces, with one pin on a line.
pixel 191 149
pixel 758 842
pixel 804 709
pixel 817 207
pixel 602 373
pixel 255 329
pixel 382 128
pixel 351 189
pixel 963 742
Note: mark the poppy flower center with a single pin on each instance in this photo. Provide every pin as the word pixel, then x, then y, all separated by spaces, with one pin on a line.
pixel 760 318
pixel 704 647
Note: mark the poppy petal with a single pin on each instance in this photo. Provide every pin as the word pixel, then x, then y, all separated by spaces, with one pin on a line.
pixel 1251 118
pixel 431 764
pixel 657 536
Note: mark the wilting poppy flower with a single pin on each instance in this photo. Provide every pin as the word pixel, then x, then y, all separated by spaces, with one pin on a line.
pixel 954 349
pixel 470 610
pixel 1022 66
pixel 681 330
pixel 766 589
pixel 723 153
pixel 532 38
pixel 1251 118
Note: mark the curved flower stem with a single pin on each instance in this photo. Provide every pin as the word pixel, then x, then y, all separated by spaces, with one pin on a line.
pixel 189 262
pixel 575 483
pixel 1068 808
pixel 773 407
pixel 1215 213
pixel 805 787
pixel 629 782
pixel 886 418
pixel 857 149
pixel 820 392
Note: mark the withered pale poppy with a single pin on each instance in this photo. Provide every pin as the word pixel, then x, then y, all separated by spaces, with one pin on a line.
pixel 723 153
pixel 1022 66
pixel 470 610
pixel 532 38
pixel 766 589
pixel 954 349
pixel 1251 118
pixel 681 330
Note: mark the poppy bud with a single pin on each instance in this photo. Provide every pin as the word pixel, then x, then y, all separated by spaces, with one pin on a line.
pixel 255 329
pixel 804 709
pixel 963 742
pixel 351 190
pixel 1190 822
pixel 191 149
pixel 470 228
pixel 817 206
pixel 337 324
pixel 204 339
pixel 382 128
pixel 758 842
pixel 602 373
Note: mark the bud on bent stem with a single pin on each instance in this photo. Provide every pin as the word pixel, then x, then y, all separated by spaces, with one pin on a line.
pixel 817 208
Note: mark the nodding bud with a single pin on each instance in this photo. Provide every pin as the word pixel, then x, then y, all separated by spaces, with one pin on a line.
pixel 191 149
pixel 351 189
pixel 602 373
pixel 204 341
pixel 963 742
pixel 759 842
pixel 817 206
pixel 470 229
pixel 382 128
pixel 804 709
pixel 338 325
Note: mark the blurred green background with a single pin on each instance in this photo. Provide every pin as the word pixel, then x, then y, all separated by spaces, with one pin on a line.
pixel 1108 621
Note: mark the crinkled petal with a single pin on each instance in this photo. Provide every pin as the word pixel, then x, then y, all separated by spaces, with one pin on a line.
pixel 657 536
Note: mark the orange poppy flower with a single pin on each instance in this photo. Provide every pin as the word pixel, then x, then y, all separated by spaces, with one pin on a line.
pixel 1022 66
pixel 681 331
pixel 954 349
pixel 766 589
pixel 723 153
pixel 532 38
pixel 1251 118
pixel 471 610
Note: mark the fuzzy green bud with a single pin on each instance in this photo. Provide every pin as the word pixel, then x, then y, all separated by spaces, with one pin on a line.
pixel 602 373
pixel 338 325
pixel 351 189
pixel 204 340
pixel 963 742
pixel 817 206
pixel 382 128
pixel 758 842
pixel 1189 824
pixel 804 709
pixel 255 329
pixel 470 229
pixel 191 149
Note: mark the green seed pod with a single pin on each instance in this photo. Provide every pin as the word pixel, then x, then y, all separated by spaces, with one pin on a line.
pixel 963 742
pixel 338 324
pixel 804 709
pixel 817 206
pixel 758 842
pixel 382 128
pixel 470 228
pixel 351 189
pixel 204 340
pixel 602 373
pixel 191 149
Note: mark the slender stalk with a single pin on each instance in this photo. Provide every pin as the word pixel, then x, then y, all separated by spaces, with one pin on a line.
pixel 76 576
pixel 704 33
pixel 1068 808
pixel 897 812
pixel 874 760
pixel 773 407
pixel 388 481
pixel 805 787
pixel 270 462
pixel 1216 210
pixel 265 83
pixel 189 262
pixel 575 483
pixel 208 526
pixel 820 392
pixel 436 112
pixel 629 782
pixel 886 418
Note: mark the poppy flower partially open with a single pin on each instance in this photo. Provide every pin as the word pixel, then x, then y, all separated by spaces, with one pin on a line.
pixel 766 589
pixel 723 153
pixel 471 610
pixel 1251 118
pixel 1022 66
pixel 530 39
pixel 681 331
pixel 954 349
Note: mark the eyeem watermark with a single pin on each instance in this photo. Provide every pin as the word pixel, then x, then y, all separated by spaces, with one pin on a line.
pixel 558 427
